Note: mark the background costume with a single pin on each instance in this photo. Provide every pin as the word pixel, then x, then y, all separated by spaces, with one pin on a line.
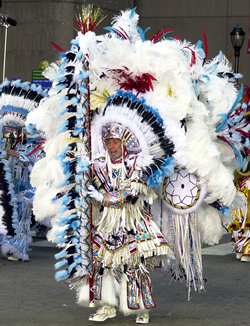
pixel 16 100
pixel 171 108
pixel 241 221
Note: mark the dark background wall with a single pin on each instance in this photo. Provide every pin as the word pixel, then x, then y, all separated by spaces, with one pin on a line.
pixel 41 22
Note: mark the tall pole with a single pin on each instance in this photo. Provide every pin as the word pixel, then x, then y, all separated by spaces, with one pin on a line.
pixel 237 57
pixel 5 48
pixel 91 276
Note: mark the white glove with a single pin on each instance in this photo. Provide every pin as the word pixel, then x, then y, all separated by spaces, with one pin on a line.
pixel 95 194
pixel 248 184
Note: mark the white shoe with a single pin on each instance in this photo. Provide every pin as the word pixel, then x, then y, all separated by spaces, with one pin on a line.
pixel 245 258
pixel 239 255
pixel 103 314
pixel 142 319
pixel 13 258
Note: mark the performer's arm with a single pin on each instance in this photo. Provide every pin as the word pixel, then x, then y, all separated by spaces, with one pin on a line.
pixel 114 199
pixel 25 160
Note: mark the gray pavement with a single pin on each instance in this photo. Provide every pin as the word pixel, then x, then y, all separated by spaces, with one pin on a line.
pixel 30 296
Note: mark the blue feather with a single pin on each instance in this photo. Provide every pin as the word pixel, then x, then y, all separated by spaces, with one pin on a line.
pixel 33 87
pixel 238 155
pixel 62 128
pixel 60 87
pixel 196 88
pixel 199 44
pixel 132 12
pixel 168 166
pixel 61 275
pixel 223 123
pixel 45 92
pixel 66 199
pixel 83 89
pixel 61 263
pixel 63 153
pixel 5 83
pixel 236 101
pixel 61 254
pixel 220 57
pixel 245 163
pixel 77 131
pixel 16 83
pixel 79 178
pixel 62 209
pixel 78 188
pixel 155 179
pixel 75 41
pixel 112 30
pixel 53 200
pixel 71 266
pixel 79 55
pixel 64 220
pixel 75 225
pixel 84 74
pixel 225 210
pixel 75 100
pixel 62 71
pixel 74 240
pixel 235 136
pixel 247 142
pixel 62 112
pixel 25 86
pixel 79 109
pixel 141 32
pixel 60 79
pixel 60 240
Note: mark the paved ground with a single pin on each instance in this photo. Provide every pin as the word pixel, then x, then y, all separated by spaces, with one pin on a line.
pixel 30 296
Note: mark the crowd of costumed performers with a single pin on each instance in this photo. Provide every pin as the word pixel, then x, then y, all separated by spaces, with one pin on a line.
pixel 19 151
pixel 240 225
pixel 139 160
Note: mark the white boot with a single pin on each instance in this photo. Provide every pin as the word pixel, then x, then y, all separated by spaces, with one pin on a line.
pixel 103 313
pixel 239 255
pixel 142 319
pixel 245 258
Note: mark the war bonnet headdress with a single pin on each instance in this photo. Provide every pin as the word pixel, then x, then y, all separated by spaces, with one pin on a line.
pixel 17 99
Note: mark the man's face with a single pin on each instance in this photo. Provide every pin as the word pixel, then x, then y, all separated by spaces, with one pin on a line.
pixel 114 147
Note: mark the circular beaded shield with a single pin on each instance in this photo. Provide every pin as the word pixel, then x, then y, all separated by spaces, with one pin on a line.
pixel 181 190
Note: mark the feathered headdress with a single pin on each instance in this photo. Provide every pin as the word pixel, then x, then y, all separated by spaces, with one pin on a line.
pixel 17 99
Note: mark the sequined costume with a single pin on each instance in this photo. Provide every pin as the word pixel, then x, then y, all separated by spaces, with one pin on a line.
pixel 240 227
pixel 126 238
pixel 15 243
pixel 19 151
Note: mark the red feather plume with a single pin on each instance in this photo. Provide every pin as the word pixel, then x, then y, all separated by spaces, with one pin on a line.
pixel 141 83
pixel 160 33
pixel 205 41
pixel 58 48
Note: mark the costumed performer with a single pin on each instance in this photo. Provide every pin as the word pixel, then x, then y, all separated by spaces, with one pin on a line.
pixel 19 152
pixel 240 226
pixel 169 107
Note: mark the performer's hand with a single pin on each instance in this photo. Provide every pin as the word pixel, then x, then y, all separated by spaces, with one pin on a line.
pixel 13 153
pixel 95 194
